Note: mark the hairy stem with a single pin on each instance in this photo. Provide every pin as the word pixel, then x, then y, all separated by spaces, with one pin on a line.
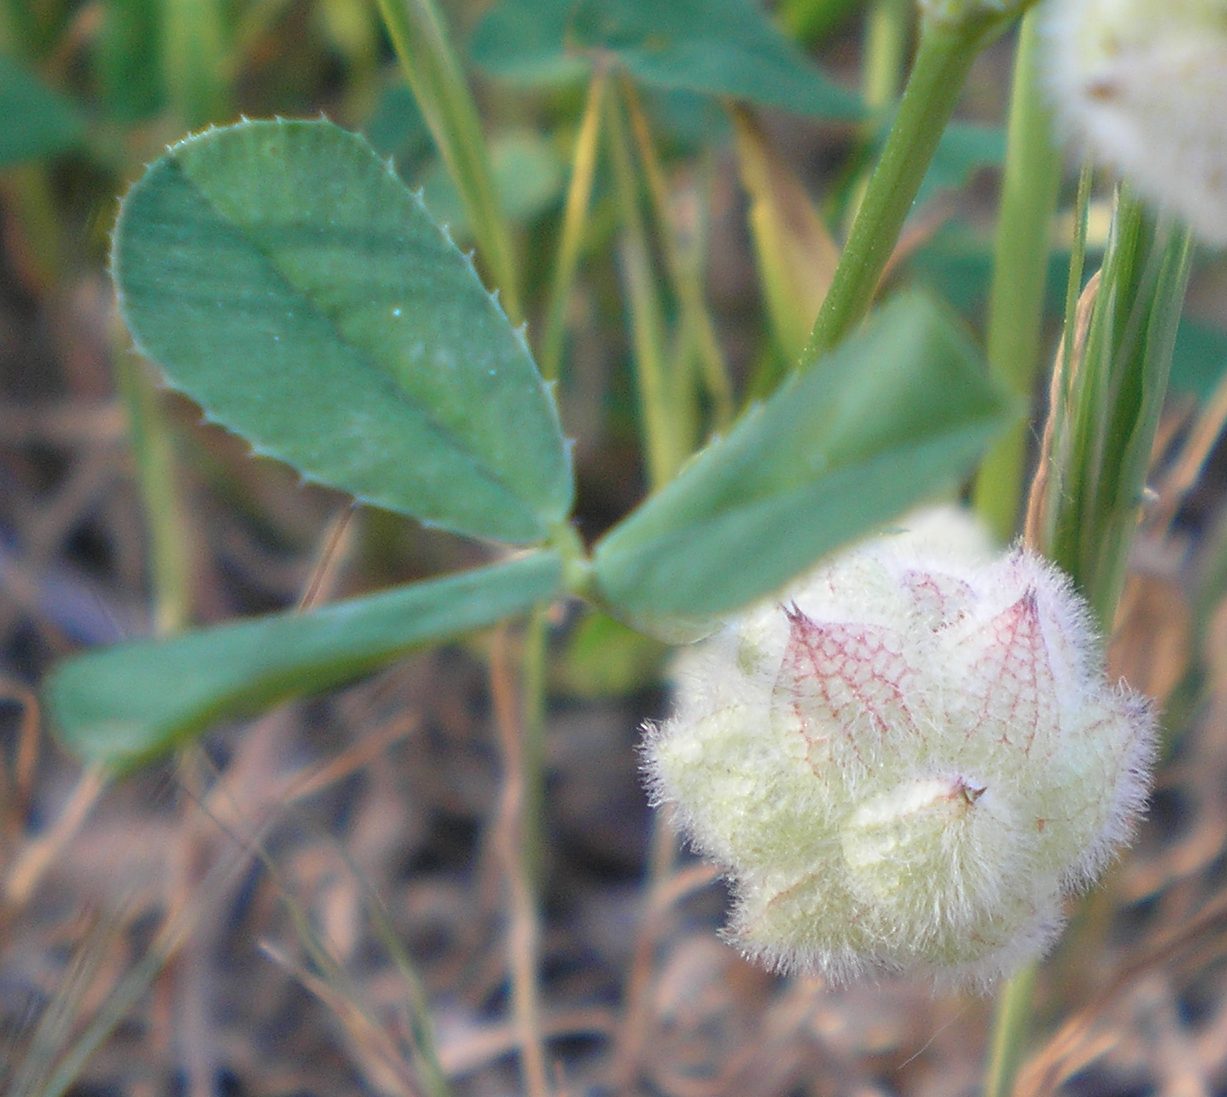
pixel 943 60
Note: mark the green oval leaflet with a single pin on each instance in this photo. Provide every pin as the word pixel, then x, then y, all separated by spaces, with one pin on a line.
pixel 288 281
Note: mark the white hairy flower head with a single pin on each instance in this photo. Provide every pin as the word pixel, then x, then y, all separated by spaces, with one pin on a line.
pixel 908 762
pixel 1141 84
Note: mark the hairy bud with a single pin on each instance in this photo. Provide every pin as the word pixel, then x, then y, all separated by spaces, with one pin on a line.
pixel 908 763
pixel 1141 84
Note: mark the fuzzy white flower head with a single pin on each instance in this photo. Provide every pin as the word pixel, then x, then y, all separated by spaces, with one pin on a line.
pixel 906 765
pixel 1142 84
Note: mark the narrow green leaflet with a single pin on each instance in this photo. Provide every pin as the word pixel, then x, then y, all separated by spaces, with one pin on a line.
pixel 287 281
pixel 38 122
pixel 717 47
pixel 897 412
pixel 126 704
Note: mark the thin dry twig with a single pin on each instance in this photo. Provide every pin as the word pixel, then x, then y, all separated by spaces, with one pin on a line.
pixel 1196 944
pixel 1060 389
pixel 15 793
pixel 386 1067
pixel 39 854
pixel 633 1033
pixel 1187 469
pixel 524 929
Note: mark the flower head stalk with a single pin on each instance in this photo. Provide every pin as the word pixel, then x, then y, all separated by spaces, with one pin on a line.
pixel 906 764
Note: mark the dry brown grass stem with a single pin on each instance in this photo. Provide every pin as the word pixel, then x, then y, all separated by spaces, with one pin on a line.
pixel 238 807
pixel 76 422
pixel 1060 389
pixel 524 929
pixel 386 1067
pixel 637 995
pixel 39 854
pixel 44 529
pixel 483 1046
pixel 16 792
pixel 307 782
pixel 330 559
pixel 1189 464
pixel 1079 1041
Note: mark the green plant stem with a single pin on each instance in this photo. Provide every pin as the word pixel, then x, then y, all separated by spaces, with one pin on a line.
pixel 646 319
pixel 533 659
pixel 1041 514
pixel 156 477
pixel 1011 1022
pixel 574 224
pixel 887 26
pixel 1011 1026
pixel 943 59
pixel 1030 184
pixel 420 38
pixel 1077 256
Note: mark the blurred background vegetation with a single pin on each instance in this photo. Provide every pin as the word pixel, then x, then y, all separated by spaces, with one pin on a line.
pixel 318 903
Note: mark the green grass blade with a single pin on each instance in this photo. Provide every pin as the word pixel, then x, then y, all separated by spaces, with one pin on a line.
pixel 664 445
pixel 683 253
pixel 795 253
pixel 419 36
pixel 574 223
pixel 1111 394
pixel 158 484
pixel 132 88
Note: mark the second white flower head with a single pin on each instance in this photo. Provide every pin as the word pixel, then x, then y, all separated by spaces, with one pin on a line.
pixel 1142 84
